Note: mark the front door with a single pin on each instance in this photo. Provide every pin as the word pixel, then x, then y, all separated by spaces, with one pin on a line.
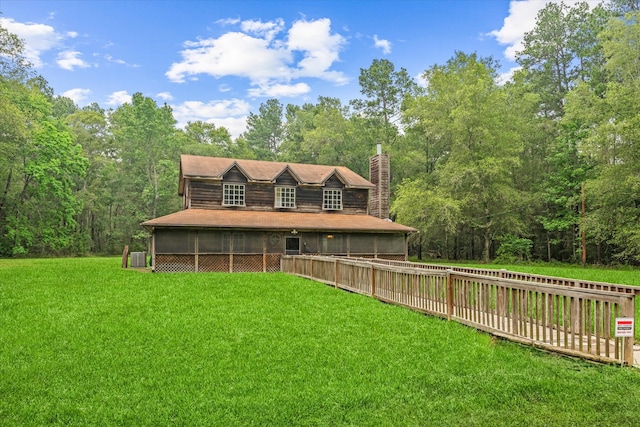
pixel 292 246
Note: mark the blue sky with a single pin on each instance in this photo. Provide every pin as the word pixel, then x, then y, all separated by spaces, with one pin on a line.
pixel 216 61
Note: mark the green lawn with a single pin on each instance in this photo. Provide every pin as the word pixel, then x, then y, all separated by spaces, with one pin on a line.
pixel 83 342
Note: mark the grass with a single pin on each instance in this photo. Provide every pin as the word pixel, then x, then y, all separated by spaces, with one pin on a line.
pixel 83 342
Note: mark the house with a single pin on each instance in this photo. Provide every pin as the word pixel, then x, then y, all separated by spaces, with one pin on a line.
pixel 243 215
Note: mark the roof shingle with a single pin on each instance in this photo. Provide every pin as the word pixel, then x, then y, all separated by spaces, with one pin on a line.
pixel 258 170
pixel 234 219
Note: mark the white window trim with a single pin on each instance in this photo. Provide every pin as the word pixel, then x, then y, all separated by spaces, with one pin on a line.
pixel 333 199
pixel 234 188
pixel 279 191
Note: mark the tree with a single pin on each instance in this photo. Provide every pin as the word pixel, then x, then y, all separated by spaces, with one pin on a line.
pixel 205 139
pixel 384 89
pixel 469 115
pixel 610 122
pixel 44 219
pixel 148 151
pixel 561 50
pixel 95 190
pixel 434 212
pixel 13 62
pixel 265 130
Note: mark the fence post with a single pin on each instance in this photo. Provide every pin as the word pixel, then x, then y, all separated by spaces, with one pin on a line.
pixel 373 281
pixel 629 311
pixel 335 272
pixel 449 286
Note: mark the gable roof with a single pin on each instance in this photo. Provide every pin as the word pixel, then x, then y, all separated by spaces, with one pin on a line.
pixel 233 219
pixel 263 171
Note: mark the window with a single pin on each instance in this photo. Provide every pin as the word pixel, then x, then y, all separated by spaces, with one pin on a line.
pixel 285 197
pixel 233 195
pixel 332 200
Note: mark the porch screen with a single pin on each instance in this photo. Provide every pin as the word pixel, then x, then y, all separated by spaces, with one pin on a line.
pixel 309 243
pixel 391 244
pixel 334 244
pixel 275 243
pixel 362 244
pixel 251 243
pixel 210 242
pixel 175 241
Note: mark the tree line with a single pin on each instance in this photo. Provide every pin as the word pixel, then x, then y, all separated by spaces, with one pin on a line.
pixel 483 169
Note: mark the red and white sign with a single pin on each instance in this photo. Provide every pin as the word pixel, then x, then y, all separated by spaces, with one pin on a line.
pixel 624 326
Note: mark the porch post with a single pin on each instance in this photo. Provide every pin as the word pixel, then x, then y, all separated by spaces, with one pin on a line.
pixel 264 251
pixel 230 252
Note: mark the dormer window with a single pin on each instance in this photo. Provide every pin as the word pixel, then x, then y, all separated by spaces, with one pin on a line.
pixel 332 200
pixel 233 195
pixel 285 197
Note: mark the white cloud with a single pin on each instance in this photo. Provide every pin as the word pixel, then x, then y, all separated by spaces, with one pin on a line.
pixel 113 60
pixel 266 60
pixel 280 90
pixel 228 21
pixel 521 19
pixel 166 96
pixel 232 54
pixel 321 49
pixel 72 34
pixel 505 77
pixel 383 44
pixel 235 125
pixel 77 95
pixel 422 80
pixel 118 98
pixel 230 113
pixel 116 61
pixel 38 38
pixel 268 30
pixel 68 60
pixel 225 88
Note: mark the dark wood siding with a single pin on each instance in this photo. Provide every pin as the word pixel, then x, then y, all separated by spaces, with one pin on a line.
pixel 259 197
pixel 234 176
pixel 333 182
pixel 208 195
pixel 309 199
pixel 355 201
pixel 286 179
pixel 205 195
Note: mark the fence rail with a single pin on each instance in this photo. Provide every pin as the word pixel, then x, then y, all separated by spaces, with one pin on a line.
pixel 573 320
pixel 515 275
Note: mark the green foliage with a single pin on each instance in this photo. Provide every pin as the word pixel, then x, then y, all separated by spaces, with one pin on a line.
pixel 384 89
pixel 265 130
pixel 478 146
pixel 88 343
pixel 513 249
pixel 205 139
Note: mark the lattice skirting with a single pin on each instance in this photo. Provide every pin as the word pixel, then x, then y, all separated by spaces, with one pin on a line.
pixel 247 263
pixel 217 263
pixel 175 263
pixel 273 263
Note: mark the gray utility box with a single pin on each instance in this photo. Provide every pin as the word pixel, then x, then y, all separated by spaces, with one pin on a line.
pixel 138 259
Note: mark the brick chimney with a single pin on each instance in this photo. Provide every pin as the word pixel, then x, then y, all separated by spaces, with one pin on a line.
pixel 379 176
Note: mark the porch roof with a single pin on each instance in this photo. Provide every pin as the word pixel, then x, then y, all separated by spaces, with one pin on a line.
pixel 236 219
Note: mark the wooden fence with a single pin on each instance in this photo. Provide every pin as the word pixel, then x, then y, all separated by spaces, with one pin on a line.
pixel 577 321
pixel 515 275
